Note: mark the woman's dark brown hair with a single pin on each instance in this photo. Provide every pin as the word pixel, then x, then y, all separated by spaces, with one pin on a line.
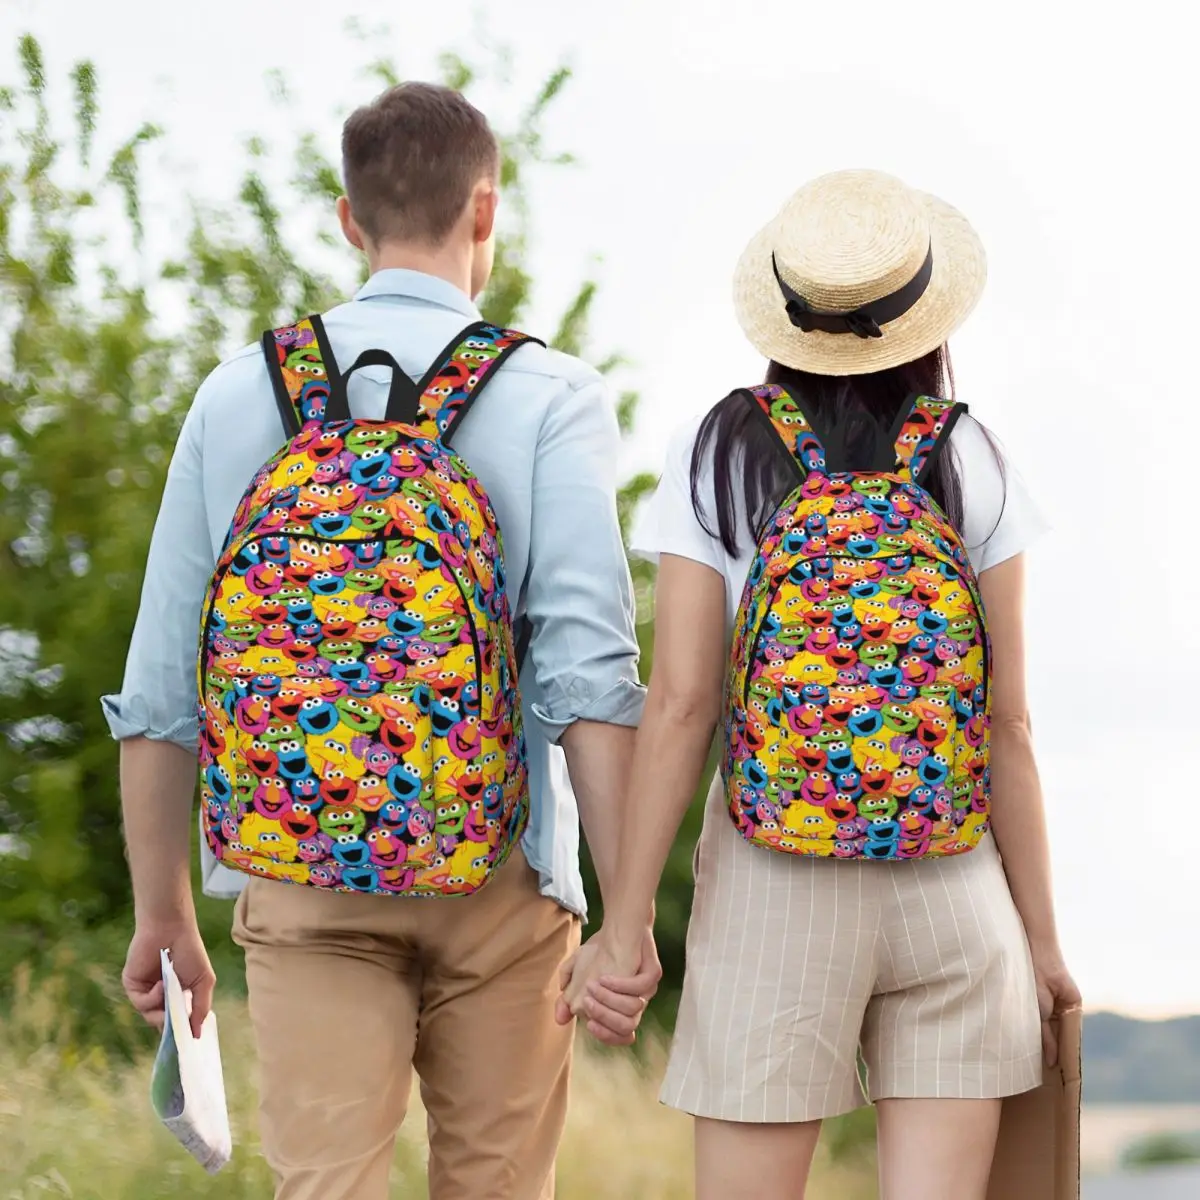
pixel 854 413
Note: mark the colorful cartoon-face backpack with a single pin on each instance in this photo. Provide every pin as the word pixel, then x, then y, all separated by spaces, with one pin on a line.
pixel 360 721
pixel 857 708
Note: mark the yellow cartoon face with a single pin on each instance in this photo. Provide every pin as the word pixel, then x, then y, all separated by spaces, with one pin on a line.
pixel 262 660
pixel 800 820
pixel 267 838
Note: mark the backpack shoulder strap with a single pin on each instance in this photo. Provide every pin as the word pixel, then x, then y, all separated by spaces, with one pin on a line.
pixel 461 372
pixel 793 429
pixel 923 432
pixel 304 376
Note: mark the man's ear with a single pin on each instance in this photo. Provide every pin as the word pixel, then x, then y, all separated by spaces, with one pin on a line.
pixel 486 198
pixel 350 227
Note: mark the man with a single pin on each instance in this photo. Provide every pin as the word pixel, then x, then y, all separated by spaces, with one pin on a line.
pixel 348 993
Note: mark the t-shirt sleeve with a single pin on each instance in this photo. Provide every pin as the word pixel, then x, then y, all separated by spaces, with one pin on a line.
pixel 1000 517
pixel 667 521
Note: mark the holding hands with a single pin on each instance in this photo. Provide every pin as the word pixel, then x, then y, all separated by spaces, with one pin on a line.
pixel 607 985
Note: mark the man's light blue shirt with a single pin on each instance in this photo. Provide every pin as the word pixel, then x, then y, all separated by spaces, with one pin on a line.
pixel 544 441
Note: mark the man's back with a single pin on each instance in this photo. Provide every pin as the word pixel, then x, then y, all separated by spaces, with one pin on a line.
pixel 544 442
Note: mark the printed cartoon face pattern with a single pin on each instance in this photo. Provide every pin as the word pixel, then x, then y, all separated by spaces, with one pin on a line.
pixel 857 711
pixel 361 727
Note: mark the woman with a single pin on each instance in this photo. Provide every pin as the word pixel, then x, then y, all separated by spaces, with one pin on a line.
pixel 872 893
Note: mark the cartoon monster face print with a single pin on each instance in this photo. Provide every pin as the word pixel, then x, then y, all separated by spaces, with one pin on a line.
pixel 858 669
pixel 354 737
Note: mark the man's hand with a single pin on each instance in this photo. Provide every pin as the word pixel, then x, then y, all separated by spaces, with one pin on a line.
pixel 142 977
pixel 609 989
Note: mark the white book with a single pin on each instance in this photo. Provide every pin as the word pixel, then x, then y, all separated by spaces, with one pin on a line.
pixel 187 1088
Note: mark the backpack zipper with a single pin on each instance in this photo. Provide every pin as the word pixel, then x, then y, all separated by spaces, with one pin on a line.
pixel 232 550
pixel 962 575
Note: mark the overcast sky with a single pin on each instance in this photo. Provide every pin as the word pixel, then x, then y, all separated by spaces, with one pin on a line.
pixel 1068 138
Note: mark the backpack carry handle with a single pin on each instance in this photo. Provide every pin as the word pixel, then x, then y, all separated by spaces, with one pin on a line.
pixel 309 389
pixel 404 401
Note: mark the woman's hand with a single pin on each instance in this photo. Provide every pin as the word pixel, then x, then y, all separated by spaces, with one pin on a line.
pixel 609 986
pixel 1056 992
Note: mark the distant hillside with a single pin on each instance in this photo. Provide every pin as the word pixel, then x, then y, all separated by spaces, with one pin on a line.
pixel 1140 1062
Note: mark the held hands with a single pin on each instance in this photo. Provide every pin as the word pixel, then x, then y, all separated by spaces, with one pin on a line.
pixel 608 987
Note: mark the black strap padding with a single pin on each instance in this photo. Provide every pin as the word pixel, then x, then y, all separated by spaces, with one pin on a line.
pixel 337 408
pixel 943 440
pixel 287 411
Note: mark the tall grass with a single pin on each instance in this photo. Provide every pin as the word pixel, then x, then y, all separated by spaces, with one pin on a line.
pixel 77 1123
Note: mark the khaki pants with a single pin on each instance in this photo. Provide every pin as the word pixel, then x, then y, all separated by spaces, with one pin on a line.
pixel 348 993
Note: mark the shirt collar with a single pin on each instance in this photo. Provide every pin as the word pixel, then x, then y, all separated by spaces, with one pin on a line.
pixel 416 285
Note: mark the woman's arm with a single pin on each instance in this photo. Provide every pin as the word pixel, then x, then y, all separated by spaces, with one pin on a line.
pixel 682 708
pixel 1018 814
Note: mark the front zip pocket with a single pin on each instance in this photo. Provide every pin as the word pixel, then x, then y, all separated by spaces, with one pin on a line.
pixel 858 605
pixel 316 588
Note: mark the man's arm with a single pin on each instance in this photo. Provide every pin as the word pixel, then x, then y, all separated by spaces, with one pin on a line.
pixel 155 718
pixel 598 758
pixel 584 648
pixel 579 599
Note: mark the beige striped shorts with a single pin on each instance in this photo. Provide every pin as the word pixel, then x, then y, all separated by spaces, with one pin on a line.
pixel 797 966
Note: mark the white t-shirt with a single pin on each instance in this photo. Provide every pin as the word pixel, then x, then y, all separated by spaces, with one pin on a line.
pixel 1000 518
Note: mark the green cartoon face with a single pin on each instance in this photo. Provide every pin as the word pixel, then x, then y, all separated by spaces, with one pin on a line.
pixel 341 649
pixel 419 490
pixel 369 518
pixel 305 361
pixel 274 734
pixel 363 579
pixel 899 718
pixel 784 409
pixel 895 586
pixel 793 633
pixel 963 629
pixel 791 775
pixel 366 438
pixel 873 807
pixel 357 715
pixel 871 485
pixel 244 631
pixel 878 654
pixel 826 737
pixel 450 818
pixel 337 822
pixel 444 631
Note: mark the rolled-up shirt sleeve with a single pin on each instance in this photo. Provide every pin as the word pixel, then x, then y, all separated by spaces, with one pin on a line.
pixel 579 595
pixel 158 695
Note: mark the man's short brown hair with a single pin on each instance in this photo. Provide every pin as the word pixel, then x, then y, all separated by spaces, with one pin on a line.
pixel 410 160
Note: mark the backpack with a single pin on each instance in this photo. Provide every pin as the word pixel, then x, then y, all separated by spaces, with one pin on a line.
pixel 857 704
pixel 359 712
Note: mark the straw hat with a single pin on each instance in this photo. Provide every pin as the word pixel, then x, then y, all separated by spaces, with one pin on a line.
pixel 858 272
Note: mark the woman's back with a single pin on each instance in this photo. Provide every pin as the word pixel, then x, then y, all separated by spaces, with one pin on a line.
pixel 999 517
